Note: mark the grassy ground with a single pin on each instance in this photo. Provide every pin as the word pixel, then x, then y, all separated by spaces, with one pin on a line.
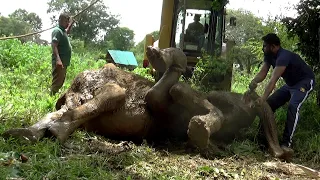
pixel 24 90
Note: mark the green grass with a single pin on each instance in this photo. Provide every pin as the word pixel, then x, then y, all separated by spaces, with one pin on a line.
pixel 25 77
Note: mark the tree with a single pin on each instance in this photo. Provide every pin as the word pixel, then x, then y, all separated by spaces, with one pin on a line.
pixel 9 26
pixel 275 26
pixel 31 18
pixel 120 38
pixel 306 27
pixel 248 33
pixel 91 24
pixel 248 26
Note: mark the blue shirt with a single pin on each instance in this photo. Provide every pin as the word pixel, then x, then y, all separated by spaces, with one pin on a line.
pixel 296 69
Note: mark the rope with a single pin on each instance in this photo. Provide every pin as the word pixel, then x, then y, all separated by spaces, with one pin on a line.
pixel 33 33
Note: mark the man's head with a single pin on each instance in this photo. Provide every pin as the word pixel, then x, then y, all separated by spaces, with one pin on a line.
pixel 271 44
pixel 64 20
pixel 196 17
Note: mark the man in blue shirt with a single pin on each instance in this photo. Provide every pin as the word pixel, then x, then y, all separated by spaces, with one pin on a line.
pixel 299 79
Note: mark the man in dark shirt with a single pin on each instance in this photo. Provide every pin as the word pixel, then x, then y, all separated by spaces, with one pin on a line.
pixel 299 79
pixel 61 52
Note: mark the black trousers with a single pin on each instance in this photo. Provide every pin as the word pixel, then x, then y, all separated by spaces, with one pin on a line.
pixel 296 95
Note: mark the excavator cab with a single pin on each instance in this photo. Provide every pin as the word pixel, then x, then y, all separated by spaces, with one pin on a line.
pixel 194 27
pixel 191 25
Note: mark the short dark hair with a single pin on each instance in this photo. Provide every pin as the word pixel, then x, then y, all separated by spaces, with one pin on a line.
pixel 64 16
pixel 271 39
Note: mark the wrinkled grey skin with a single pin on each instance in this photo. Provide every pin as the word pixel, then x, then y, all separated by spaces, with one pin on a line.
pixel 122 105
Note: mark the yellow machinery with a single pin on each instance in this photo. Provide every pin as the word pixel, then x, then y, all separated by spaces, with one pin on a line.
pixel 194 27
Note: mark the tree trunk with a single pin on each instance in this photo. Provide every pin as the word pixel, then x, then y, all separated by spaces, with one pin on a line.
pixel 318 91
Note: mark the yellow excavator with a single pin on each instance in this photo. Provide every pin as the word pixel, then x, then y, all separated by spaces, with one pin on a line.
pixel 194 27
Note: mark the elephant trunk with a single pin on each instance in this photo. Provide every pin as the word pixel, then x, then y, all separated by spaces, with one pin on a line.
pixel 267 120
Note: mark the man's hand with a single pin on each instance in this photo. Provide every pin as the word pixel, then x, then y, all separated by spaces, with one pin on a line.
pixel 59 63
pixel 71 21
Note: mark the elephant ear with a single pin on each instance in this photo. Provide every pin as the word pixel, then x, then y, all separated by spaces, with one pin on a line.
pixel 61 101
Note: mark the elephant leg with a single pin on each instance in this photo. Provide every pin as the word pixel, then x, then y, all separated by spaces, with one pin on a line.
pixel 110 98
pixel 158 98
pixel 208 118
pixel 38 130
pixel 173 63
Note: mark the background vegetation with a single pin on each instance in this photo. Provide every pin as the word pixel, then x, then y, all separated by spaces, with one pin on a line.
pixel 25 77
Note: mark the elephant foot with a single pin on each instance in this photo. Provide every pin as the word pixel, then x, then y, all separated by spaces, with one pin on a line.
pixel 277 154
pixel 288 153
pixel 61 130
pixel 21 133
pixel 198 133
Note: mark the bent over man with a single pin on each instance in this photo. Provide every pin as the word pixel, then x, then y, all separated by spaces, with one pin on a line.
pixel 299 79
pixel 61 52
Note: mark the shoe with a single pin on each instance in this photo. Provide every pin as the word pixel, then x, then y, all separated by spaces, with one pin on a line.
pixel 288 152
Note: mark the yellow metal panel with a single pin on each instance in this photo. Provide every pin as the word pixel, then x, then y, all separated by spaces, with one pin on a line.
pixel 149 40
pixel 166 23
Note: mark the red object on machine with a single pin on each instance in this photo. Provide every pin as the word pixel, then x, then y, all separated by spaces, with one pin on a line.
pixel 145 63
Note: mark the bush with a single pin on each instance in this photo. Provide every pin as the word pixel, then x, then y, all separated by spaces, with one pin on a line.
pixel 209 72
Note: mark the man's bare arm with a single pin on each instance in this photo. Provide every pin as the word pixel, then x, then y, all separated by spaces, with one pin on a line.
pixel 262 74
pixel 56 54
pixel 69 26
pixel 277 72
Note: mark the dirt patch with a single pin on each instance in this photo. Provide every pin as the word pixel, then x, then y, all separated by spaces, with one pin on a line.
pixel 153 163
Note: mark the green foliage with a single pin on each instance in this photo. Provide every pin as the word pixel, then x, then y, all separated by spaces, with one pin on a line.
pixel 245 56
pixel 14 55
pixel 219 4
pixel 209 71
pixel 248 26
pixel 30 18
pixel 306 27
pixel 144 72
pixel 248 33
pixel 77 46
pixel 276 26
pixel 119 38
pixel 21 22
pixel 9 27
pixel 90 24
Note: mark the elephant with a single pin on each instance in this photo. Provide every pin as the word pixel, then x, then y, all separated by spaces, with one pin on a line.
pixel 125 106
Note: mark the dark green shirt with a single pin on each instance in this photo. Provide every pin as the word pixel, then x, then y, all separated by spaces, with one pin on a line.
pixel 59 35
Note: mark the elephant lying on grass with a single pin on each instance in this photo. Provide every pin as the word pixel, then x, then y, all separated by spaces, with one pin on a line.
pixel 122 105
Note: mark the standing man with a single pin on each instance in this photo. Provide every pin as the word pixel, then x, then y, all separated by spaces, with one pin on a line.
pixel 299 79
pixel 61 52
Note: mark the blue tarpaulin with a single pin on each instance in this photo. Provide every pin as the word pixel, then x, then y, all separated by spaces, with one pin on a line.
pixel 123 57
